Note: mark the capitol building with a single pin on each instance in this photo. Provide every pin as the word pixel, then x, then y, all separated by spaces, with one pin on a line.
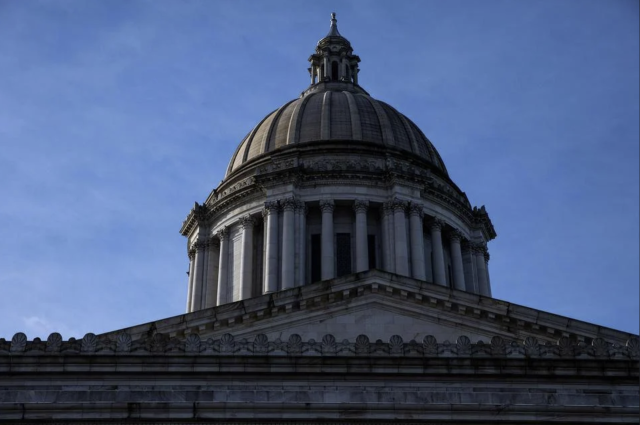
pixel 337 275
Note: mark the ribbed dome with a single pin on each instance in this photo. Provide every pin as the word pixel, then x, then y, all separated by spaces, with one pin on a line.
pixel 339 115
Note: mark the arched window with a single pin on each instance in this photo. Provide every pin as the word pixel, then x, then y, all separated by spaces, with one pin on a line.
pixel 334 71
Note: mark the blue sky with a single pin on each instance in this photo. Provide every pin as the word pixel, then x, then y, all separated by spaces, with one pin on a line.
pixel 115 116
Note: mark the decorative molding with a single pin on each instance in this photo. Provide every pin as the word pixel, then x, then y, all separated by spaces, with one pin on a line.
pixel 360 206
pixel 223 233
pixel 456 235
pixel 288 203
pixel 387 208
pixel 416 209
pixel 247 221
pixel 159 344
pixel 437 223
pixel 270 207
pixel 399 204
pixel 327 205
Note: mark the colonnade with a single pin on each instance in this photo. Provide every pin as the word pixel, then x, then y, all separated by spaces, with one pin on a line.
pixel 285 251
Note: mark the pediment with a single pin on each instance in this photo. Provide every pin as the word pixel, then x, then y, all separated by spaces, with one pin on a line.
pixel 379 305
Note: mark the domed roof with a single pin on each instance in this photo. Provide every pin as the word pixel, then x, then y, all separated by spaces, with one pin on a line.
pixel 334 108
pixel 335 115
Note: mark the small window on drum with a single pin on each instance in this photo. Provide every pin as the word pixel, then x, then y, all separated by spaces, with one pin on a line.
pixel 316 256
pixel 334 71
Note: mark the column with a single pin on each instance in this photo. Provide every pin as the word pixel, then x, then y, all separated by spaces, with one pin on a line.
pixel 198 277
pixel 439 275
pixel 417 242
pixel 326 240
pixel 288 242
pixel 388 252
pixel 212 273
pixel 362 243
pixel 400 236
pixel 456 258
pixel 223 266
pixel 481 266
pixel 246 264
pixel 271 229
pixel 301 248
pixel 469 264
pixel 192 255
pixel 486 267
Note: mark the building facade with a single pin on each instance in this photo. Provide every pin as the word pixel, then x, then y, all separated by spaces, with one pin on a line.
pixel 337 275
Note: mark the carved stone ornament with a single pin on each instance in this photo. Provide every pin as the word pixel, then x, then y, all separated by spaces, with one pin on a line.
pixel 399 204
pixel 247 222
pixel 54 342
pixel 327 205
pixel 464 345
pixel 288 204
pixel 498 346
pixel 227 343
pixel 437 223
pixel 123 342
pixel 455 235
pixel 396 345
pixel 294 345
pixel 301 207
pixel 89 343
pixel 156 343
pixel 430 345
pixel 416 209
pixel 223 233
pixel 18 343
pixel 328 344
pixel 362 345
pixel 192 343
pixel 261 344
pixel 270 207
pixel 360 206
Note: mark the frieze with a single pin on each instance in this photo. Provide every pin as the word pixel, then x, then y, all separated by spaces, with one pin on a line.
pixel 235 187
pixel 156 343
pixel 277 165
pixel 344 165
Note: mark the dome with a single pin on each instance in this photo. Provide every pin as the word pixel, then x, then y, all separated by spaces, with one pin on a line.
pixel 335 111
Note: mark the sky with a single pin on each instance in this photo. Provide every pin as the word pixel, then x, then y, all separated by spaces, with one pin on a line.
pixel 116 116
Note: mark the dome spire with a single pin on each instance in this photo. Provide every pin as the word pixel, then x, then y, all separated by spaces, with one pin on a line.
pixel 333 30
pixel 334 59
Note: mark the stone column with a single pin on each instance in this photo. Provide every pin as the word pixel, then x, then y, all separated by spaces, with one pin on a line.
pixel 456 258
pixel 400 236
pixel 417 242
pixel 288 242
pixel 246 264
pixel 388 252
pixel 223 266
pixel 481 266
pixel 301 246
pixel 192 255
pixel 212 273
pixel 469 264
pixel 198 277
pixel 486 263
pixel 327 260
pixel 271 229
pixel 439 275
pixel 362 244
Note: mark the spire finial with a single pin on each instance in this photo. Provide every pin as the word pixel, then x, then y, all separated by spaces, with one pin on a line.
pixel 333 30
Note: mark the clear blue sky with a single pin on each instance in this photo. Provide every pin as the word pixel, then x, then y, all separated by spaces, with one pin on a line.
pixel 115 116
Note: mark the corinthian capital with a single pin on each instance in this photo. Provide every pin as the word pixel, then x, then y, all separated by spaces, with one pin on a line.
pixel 437 224
pixel 387 208
pixel 327 205
pixel 288 204
pixel 223 233
pixel 456 235
pixel 416 209
pixel 270 207
pixel 360 205
pixel 247 221
pixel 399 204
